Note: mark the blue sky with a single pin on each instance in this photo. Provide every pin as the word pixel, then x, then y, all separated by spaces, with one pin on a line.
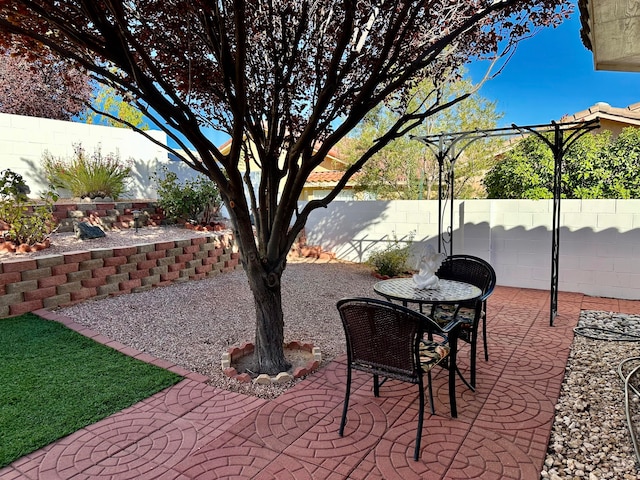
pixel 552 74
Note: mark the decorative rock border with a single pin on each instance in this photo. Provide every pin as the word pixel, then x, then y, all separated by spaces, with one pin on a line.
pixel 7 246
pixel 234 353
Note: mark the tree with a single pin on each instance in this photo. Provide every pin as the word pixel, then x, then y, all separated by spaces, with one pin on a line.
pixel 291 77
pixel 595 166
pixel 408 169
pixel 42 87
pixel 526 171
pixel 623 157
pixel 394 172
pixel 114 108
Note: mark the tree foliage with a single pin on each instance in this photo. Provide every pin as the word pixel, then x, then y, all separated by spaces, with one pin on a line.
pixel 291 78
pixel 110 108
pixel 41 87
pixel 408 169
pixel 595 166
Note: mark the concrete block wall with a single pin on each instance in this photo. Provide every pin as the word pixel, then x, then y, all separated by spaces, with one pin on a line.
pixel 24 140
pixel 57 280
pixel 599 239
pixel 353 230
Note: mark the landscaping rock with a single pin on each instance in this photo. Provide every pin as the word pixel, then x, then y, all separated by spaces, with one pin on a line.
pixel 86 231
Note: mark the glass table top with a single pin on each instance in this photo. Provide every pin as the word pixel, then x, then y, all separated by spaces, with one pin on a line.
pixel 448 291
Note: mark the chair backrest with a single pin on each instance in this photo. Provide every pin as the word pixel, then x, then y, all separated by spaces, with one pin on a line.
pixel 469 269
pixel 382 338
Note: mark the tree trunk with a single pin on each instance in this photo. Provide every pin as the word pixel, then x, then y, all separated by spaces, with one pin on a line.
pixel 269 341
pixel 264 275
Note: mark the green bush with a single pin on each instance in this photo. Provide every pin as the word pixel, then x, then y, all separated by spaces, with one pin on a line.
pixel 12 186
pixel 24 226
pixel 84 175
pixel 392 261
pixel 196 200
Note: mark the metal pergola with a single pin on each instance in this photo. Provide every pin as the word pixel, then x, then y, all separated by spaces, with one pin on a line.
pixel 448 147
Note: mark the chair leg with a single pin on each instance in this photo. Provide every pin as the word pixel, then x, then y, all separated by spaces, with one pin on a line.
pixel 430 387
pixel 471 383
pixel 484 336
pixel 452 381
pixel 472 359
pixel 464 380
pixel 416 452
pixel 376 386
pixel 346 402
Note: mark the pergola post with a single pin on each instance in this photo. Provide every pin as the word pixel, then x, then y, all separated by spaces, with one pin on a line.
pixel 558 147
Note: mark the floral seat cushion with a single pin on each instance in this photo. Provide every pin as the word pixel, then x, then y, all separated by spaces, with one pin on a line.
pixel 443 314
pixel 432 353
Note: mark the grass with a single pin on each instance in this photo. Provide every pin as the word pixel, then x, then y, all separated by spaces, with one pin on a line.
pixel 54 381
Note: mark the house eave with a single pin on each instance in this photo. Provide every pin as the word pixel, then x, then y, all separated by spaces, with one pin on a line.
pixel 612 33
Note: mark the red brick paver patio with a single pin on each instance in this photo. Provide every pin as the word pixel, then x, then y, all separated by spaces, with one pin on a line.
pixel 194 431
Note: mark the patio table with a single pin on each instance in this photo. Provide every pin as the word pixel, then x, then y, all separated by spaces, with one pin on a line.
pixel 406 291
pixel 450 292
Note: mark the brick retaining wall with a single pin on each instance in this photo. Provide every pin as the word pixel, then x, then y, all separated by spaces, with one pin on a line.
pixel 106 214
pixel 60 280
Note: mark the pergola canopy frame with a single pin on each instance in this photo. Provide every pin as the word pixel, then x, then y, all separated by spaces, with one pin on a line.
pixel 448 147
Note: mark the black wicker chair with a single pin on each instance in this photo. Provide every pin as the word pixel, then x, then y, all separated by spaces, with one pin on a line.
pixel 387 341
pixel 478 272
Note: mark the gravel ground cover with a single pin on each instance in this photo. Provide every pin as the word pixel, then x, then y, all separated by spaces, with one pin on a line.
pixel 193 323
pixel 589 439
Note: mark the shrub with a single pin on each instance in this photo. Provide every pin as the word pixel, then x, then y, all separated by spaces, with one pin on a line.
pixel 86 175
pixel 24 226
pixel 13 186
pixel 392 261
pixel 197 200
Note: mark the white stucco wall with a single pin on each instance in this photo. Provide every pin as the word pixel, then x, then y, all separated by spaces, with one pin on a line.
pixel 23 140
pixel 599 239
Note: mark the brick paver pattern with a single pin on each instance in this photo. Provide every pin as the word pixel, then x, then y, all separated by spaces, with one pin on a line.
pixel 195 431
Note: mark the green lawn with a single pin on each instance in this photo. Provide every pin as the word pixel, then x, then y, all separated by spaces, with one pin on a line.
pixel 54 381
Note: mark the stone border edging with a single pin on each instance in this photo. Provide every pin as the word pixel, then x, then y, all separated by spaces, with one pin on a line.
pixel 234 353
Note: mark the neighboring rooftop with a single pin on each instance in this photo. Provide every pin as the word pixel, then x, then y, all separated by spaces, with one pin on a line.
pixel 611 118
pixel 328 177
pixel 630 114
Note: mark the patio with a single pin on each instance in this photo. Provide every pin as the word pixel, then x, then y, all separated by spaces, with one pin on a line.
pixel 193 430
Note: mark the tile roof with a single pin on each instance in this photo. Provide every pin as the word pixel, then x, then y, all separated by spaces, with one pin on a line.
pixel 630 114
pixel 328 176
pixel 585 29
